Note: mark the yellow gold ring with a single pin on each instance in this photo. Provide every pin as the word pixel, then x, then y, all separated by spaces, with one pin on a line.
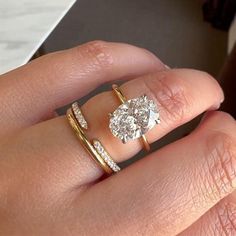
pixel 96 150
pixel 85 142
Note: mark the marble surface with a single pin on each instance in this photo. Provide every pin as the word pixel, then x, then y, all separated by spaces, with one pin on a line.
pixel 24 25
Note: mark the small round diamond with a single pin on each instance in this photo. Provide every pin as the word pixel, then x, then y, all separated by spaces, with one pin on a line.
pixel 106 157
pixel 79 116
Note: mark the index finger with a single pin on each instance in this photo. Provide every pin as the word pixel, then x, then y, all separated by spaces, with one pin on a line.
pixel 33 92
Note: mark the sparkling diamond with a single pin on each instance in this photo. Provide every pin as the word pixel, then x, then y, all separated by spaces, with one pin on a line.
pixel 79 116
pixel 134 118
pixel 106 157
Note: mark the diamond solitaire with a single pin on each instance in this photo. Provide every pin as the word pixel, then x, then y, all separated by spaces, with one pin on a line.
pixel 133 118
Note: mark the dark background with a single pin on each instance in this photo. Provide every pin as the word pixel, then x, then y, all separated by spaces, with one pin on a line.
pixel 173 29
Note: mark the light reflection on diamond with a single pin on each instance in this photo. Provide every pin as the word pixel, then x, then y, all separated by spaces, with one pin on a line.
pixel 134 118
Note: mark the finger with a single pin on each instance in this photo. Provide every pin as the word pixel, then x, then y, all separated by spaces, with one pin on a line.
pixel 60 158
pixel 169 190
pixel 179 95
pixel 32 92
pixel 220 220
pixel 55 140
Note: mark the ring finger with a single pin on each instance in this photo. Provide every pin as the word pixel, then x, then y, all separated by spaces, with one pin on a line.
pixel 179 95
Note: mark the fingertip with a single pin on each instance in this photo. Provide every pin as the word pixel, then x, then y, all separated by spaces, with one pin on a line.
pixel 204 79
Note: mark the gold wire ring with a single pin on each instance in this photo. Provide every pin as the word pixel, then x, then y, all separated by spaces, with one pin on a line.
pixel 122 99
pixel 85 142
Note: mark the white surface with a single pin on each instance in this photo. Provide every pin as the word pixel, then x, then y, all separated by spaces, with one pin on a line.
pixel 232 36
pixel 24 25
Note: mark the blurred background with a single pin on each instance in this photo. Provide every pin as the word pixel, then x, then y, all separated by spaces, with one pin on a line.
pixel 173 30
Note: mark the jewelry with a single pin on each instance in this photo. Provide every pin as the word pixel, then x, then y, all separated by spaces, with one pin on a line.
pixel 104 154
pixel 79 115
pixel 133 118
pixel 96 150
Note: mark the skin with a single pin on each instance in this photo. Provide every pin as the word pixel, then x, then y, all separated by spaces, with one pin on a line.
pixel 49 185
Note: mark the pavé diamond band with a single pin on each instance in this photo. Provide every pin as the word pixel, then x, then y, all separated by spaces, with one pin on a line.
pixel 94 148
pixel 133 118
pixel 79 115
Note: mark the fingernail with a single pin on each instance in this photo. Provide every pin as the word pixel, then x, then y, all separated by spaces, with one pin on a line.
pixel 167 67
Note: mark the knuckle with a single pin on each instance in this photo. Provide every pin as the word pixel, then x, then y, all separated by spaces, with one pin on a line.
pixel 170 95
pixel 220 164
pixel 226 219
pixel 97 54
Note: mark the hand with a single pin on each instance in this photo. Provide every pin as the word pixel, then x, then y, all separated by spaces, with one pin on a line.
pixel 49 185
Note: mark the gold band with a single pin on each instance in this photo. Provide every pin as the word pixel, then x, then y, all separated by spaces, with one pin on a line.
pixel 85 142
pixel 122 99
pixel 118 93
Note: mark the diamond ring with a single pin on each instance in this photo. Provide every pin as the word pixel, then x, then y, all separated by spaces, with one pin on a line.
pixel 133 118
pixel 95 148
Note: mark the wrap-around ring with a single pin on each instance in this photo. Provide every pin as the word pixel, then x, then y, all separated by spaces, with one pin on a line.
pixel 95 148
